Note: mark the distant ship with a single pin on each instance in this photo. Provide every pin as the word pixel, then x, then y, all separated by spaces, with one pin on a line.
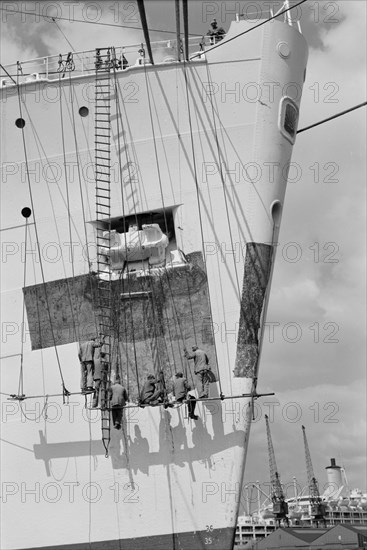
pixel 342 506
pixel 142 195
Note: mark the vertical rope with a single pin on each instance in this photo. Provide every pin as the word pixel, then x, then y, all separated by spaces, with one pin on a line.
pixel 199 209
pixel 39 329
pixel 119 119
pixel 155 356
pixel 90 481
pixel 20 383
pixel 38 243
pixel 76 330
pixel 223 186
pixel 161 193
pixel 81 195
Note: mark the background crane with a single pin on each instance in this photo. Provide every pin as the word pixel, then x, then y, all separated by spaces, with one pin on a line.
pixel 280 507
pixel 317 506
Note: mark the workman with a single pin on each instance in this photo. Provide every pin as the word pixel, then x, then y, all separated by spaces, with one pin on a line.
pixel 150 393
pixel 216 33
pixel 118 399
pixel 201 370
pixel 100 372
pixel 180 391
pixel 86 358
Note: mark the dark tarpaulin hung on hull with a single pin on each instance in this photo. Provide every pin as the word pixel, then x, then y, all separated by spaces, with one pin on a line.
pixel 82 300
pixel 159 313
pixel 255 282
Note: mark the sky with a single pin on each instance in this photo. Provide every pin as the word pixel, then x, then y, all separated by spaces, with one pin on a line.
pixel 314 352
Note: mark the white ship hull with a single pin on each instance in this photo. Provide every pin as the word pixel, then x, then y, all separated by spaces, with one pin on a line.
pixel 222 153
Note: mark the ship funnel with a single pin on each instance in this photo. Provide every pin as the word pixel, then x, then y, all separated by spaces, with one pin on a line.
pixel 335 483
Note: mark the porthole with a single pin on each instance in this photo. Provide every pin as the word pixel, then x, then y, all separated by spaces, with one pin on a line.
pixel 20 123
pixel 26 212
pixel 288 119
pixel 84 111
pixel 276 212
pixel 283 49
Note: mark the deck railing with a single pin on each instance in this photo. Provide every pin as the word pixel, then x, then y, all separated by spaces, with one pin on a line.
pixel 83 62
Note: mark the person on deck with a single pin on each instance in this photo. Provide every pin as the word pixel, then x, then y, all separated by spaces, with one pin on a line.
pixel 150 393
pixel 216 34
pixel 180 390
pixel 86 358
pixel 201 369
pixel 118 399
pixel 100 373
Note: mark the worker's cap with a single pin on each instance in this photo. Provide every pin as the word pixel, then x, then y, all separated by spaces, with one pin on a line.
pixel 194 348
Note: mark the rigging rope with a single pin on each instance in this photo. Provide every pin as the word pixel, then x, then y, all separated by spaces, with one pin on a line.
pixel 156 358
pixel 69 43
pixel 20 383
pixel 332 117
pixel 37 419
pixel 90 482
pixel 40 147
pixel 220 164
pixel 184 365
pixel 50 165
pixel 154 348
pixel 199 210
pixel 65 391
pixel 169 336
pixel 81 196
pixel 60 18
pixel 9 75
pixel 122 288
pixel 38 314
pixel 119 119
pixel 228 40
pixel 161 324
pixel 214 113
pixel 76 330
pixel 161 193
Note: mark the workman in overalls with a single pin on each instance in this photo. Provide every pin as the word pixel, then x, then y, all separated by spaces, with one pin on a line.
pixel 86 358
pixel 100 373
pixel 180 391
pixel 201 370
pixel 118 399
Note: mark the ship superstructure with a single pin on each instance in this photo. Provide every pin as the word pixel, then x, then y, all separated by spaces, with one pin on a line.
pixel 137 201
pixel 341 506
pixel 351 510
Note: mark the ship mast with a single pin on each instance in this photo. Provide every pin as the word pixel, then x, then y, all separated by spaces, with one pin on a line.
pixel 182 52
pixel 186 28
pixel 178 30
pixel 145 29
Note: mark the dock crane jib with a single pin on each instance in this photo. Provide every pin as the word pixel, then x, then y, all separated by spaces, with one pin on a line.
pixel 280 506
pixel 317 506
